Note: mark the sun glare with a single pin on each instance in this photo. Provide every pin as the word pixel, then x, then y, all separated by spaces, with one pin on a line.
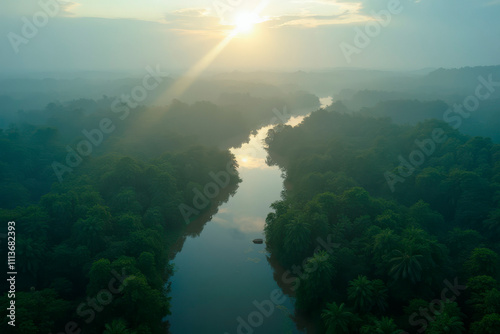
pixel 245 22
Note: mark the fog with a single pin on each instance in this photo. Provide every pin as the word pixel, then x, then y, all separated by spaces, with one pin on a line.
pixel 250 166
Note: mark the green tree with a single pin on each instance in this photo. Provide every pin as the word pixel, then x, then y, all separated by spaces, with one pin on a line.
pixel 361 292
pixel 480 284
pixel 422 214
pixel 127 223
pixel 489 324
pixel 482 261
pixel 386 326
pixel 99 276
pixel 462 242
pixel 488 302
pixel 147 264
pixel 337 319
pixel 90 232
pixel 384 243
pixel 379 295
pixel 31 253
pixel 493 223
pixel 141 303
pixel 446 324
pixel 36 311
pixel 406 265
pixel 316 286
pixel 297 240
pixel 117 326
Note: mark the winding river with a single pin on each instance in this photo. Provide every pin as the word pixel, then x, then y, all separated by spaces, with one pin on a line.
pixel 223 283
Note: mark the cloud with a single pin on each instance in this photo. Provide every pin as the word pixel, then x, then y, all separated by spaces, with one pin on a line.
pixel 245 224
pixel 250 224
pixel 19 9
pixel 194 21
pixel 313 21
pixel 312 14
pixel 67 8
pixel 202 21
pixel 354 6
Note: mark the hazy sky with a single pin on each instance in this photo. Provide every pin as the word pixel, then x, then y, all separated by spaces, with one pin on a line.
pixel 300 34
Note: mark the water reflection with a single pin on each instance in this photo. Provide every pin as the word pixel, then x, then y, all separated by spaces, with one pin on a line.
pixel 195 228
pixel 221 274
pixel 252 155
pixel 303 322
pixel 243 223
pixel 326 101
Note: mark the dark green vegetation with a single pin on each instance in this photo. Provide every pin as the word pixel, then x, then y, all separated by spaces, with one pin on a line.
pixel 409 100
pixel 404 257
pixel 93 250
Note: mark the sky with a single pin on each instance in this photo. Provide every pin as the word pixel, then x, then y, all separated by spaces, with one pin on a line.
pixel 128 35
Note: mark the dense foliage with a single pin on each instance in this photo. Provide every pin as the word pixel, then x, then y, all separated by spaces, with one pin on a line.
pixel 92 251
pixel 402 259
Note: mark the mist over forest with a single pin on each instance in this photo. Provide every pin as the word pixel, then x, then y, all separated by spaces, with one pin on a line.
pixel 319 167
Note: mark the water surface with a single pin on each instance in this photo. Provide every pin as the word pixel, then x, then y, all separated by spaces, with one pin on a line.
pixel 221 274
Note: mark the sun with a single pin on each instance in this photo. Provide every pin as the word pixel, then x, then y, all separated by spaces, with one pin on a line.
pixel 245 22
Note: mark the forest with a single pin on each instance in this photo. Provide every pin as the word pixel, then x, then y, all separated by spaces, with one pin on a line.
pixel 110 219
pixel 104 194
pixel 115 216
pixel 423 257
pixel 250 167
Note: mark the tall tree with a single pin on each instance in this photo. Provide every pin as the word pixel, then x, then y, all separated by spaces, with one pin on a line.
pixel 316 286
pixel 361 292
pixel 337 319
pixel 482 261
pixel 117 326
pixel 406 265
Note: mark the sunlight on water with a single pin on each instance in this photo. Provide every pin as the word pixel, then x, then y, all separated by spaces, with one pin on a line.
pixel 326 101
pixel 252 155
pixel 222 264
pixel 224 258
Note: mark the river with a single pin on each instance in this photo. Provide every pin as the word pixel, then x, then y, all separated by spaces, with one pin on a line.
pixel 223 283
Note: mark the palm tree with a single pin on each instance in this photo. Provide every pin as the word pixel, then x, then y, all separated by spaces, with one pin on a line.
pixel 316 287
pixel 89 232
pixel 297 240
pixel 386 326
pixel 379 295
pixel 361 292
pixel 31 254
pixel 117 326
pixel 336 319
pixel 384 242
pixel 446 324
pixel 406 265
